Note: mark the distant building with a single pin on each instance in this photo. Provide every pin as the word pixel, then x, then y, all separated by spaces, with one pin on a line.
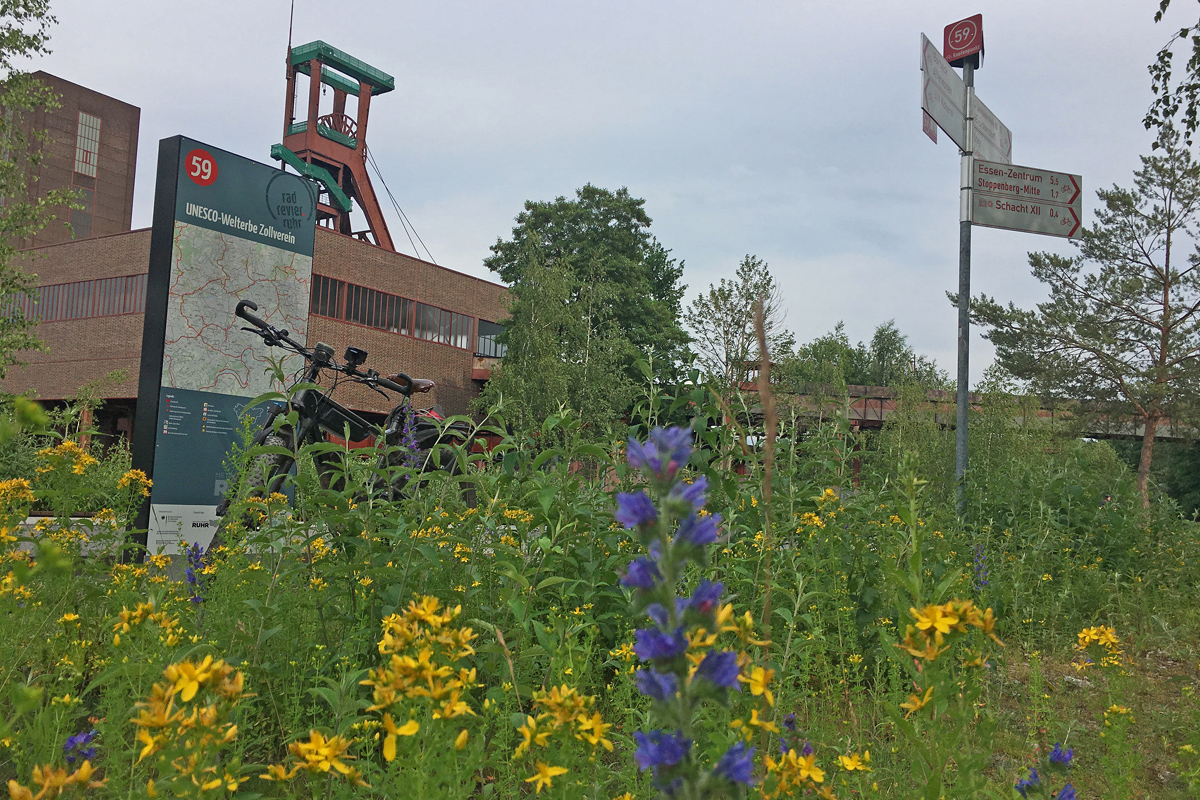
pixel 92 148
pixel 410 315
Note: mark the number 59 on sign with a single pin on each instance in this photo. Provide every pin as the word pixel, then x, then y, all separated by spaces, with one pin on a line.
pixel 201 167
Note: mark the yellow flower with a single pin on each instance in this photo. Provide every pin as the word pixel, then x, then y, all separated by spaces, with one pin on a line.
pixel 389 743
pixel 759 680
pixel 853 762
pixel 809 769
pixel 461 741
pixel 593 729
pixel 545 774
pixel 938 618
pixel 531 736
pixel 321 754
pixel 917 703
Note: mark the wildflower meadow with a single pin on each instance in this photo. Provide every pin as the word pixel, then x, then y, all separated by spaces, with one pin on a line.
pixel 682 606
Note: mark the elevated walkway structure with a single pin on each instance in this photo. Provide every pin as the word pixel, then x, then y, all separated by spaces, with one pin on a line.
pixel 331 148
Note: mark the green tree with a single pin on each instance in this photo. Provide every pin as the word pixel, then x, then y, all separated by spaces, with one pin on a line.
pixel 721 321
pixel 889 360
pixel 592 291
pixel 24 33
pixel 1120 329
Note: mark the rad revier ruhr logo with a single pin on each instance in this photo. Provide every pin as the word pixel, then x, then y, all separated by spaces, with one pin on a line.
pixel 290 201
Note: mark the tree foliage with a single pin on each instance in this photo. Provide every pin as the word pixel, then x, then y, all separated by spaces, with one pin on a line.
pixel 24 33
pixel 1121 328
pixel 592 291
pixel 721 321
pixel 887 360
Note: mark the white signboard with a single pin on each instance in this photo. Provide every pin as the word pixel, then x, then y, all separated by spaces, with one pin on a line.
pixel 1042 185
pixel 1026 199
pixel 990 138
pixel 943 94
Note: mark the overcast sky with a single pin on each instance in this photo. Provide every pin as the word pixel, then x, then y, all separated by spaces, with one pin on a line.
pixel 790 130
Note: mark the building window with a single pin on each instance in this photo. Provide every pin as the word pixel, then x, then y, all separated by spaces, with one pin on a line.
pixel 106 297
pixel 83 179
pixel 374 309
pixel 87 144
pixel 486 344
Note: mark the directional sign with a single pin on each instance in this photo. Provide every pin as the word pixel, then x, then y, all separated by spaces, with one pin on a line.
pixel 963 38
pixel 929 126
pixel 1042 185
pixel 990 138
pixel 943 94
pixel 1026 199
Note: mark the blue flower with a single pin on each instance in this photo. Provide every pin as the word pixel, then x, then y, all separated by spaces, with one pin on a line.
pixel 661 686
pixel 706 597
pixel 660 749
pixel 658 613
pixel 721 668
pixel 635 509
pixel 693 493
pixel 698 531
pixel 807 749
pixel 1058 756
pixel 1033 780
pixel 642 574
pixel 75 747
pixel 789 721
pixel 651 644
pixel 667 450
pixel 737 764
pixel 1066 793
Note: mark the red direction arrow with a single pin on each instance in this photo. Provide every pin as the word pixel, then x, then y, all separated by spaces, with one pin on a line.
pixel 1075 229
pixel 1075 196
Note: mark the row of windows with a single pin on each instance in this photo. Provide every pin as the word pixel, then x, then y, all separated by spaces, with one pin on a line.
pixel 389 312
pixel 108 297
pixel 105 297
pixel 87 155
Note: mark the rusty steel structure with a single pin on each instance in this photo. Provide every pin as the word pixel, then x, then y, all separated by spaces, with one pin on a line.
pixel 331 147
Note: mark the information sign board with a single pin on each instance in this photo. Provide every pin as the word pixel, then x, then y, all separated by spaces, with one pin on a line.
pixel 1026 199
pixel 990 138
pixel 963 39
pixel 943 94
pixel 225 229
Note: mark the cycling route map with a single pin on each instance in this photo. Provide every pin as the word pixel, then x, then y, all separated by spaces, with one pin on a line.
pixel 206 348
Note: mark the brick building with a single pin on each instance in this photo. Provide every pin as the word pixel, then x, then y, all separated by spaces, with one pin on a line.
pixel 91 148
pixel 409 314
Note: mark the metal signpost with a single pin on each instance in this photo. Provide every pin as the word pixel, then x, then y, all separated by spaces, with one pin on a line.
pixel 993 192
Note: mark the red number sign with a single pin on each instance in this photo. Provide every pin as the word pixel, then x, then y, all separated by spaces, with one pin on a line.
pixel 963 38
pixel 201 167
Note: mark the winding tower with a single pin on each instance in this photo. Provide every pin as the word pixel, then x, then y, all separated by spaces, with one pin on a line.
pixel 331 148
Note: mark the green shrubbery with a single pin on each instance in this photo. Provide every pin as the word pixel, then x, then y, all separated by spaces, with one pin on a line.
pixel 431 649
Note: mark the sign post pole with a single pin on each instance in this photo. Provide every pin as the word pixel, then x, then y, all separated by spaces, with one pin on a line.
pixel 964 300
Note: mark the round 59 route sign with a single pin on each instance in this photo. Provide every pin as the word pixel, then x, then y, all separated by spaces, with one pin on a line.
pixel 963 38
pixel 201 167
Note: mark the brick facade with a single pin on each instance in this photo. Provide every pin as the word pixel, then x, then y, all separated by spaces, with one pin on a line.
pixel 112 209
pixel 86 350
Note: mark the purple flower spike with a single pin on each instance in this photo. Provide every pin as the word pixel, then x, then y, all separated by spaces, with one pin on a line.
pixel 737 765
pixel 642 574
pixel 720 668
pixel 1033 780
pixel 635 509
pixel 807 749
pixel 661 686
pixel 1059 756
pixel 658 613
pixel 660 749
pixel 651 644
pixel 706 597
pixel 789 721
pixel 1066 793
pixel 693 492
pixel 667 451
pixel 698 531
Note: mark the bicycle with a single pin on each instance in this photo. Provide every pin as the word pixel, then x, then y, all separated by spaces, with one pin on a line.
pixel 318 417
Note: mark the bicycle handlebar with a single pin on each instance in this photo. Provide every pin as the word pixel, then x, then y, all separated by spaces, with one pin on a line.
pixel 274 336
pixel 405 390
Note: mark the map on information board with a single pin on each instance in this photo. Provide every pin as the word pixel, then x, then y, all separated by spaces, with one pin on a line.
pixel 205 348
